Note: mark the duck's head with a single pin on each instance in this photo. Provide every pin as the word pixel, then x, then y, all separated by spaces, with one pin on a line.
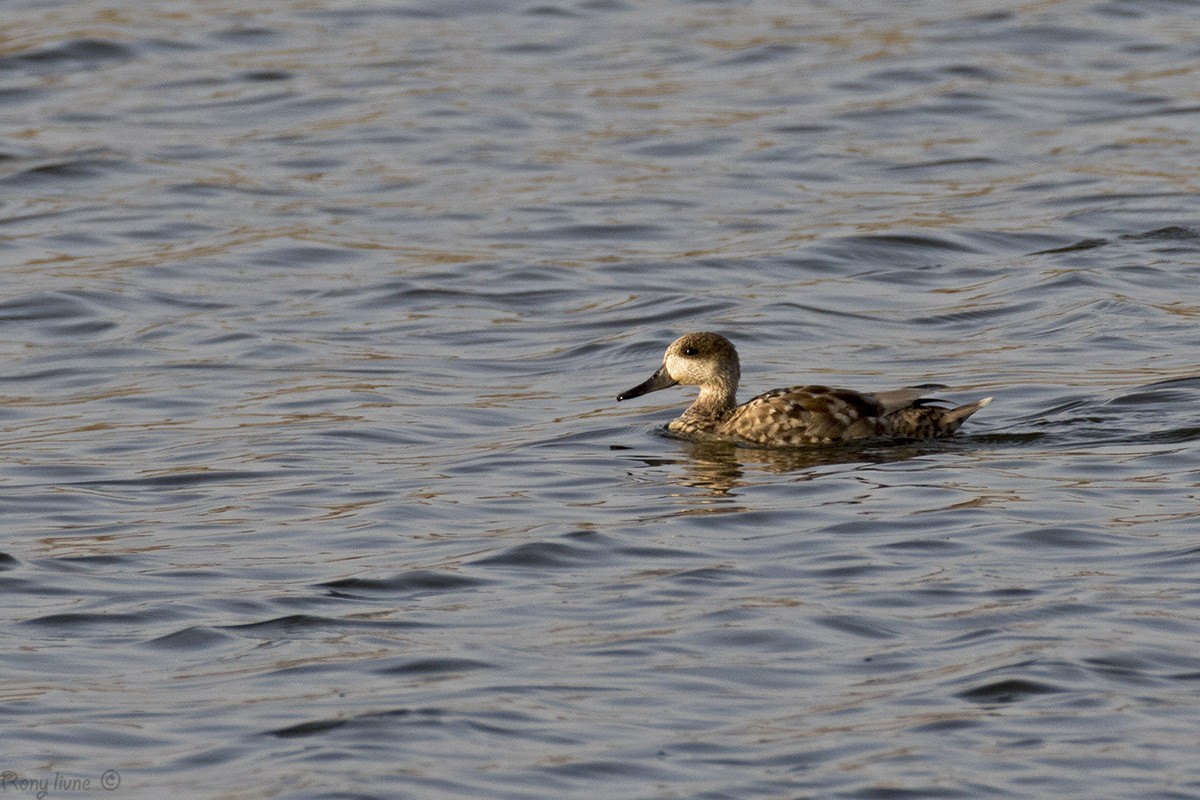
pixel 708 360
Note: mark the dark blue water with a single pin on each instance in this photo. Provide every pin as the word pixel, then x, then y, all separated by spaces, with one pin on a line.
pixel 313 481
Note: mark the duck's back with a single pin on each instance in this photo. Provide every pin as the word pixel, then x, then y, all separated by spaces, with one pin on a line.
pixel 807 415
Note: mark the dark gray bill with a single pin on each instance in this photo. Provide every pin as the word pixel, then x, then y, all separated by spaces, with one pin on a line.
pixel 659 380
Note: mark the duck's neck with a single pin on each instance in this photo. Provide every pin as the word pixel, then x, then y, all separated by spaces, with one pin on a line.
pixel 713 405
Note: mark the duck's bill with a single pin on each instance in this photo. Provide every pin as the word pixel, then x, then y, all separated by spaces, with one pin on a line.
pixel 659 380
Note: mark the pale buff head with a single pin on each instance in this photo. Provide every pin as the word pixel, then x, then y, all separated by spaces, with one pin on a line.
pixel 708 360
pixel 702 359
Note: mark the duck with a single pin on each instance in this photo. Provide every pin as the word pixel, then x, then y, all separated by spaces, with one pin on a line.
pixel 796 416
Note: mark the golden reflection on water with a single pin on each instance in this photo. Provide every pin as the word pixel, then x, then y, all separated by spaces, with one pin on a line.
pixel 722 468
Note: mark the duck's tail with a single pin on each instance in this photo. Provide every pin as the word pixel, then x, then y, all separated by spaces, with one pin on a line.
pixel 957 416
pixel 923 421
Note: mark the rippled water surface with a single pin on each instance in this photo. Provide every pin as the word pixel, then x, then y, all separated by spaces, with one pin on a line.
pixel 314 315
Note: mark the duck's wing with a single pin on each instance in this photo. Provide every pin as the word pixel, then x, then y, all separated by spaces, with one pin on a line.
pixel 896 399
pixel 806 415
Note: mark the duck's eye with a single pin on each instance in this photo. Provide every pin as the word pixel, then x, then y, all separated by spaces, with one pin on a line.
pixel 690 351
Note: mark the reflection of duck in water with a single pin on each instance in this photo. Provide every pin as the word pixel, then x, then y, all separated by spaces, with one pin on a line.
pixel 799 415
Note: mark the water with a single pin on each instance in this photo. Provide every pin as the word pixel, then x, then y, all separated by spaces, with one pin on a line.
pixel 313 479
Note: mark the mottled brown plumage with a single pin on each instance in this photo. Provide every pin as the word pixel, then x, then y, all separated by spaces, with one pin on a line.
pixel 797 416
